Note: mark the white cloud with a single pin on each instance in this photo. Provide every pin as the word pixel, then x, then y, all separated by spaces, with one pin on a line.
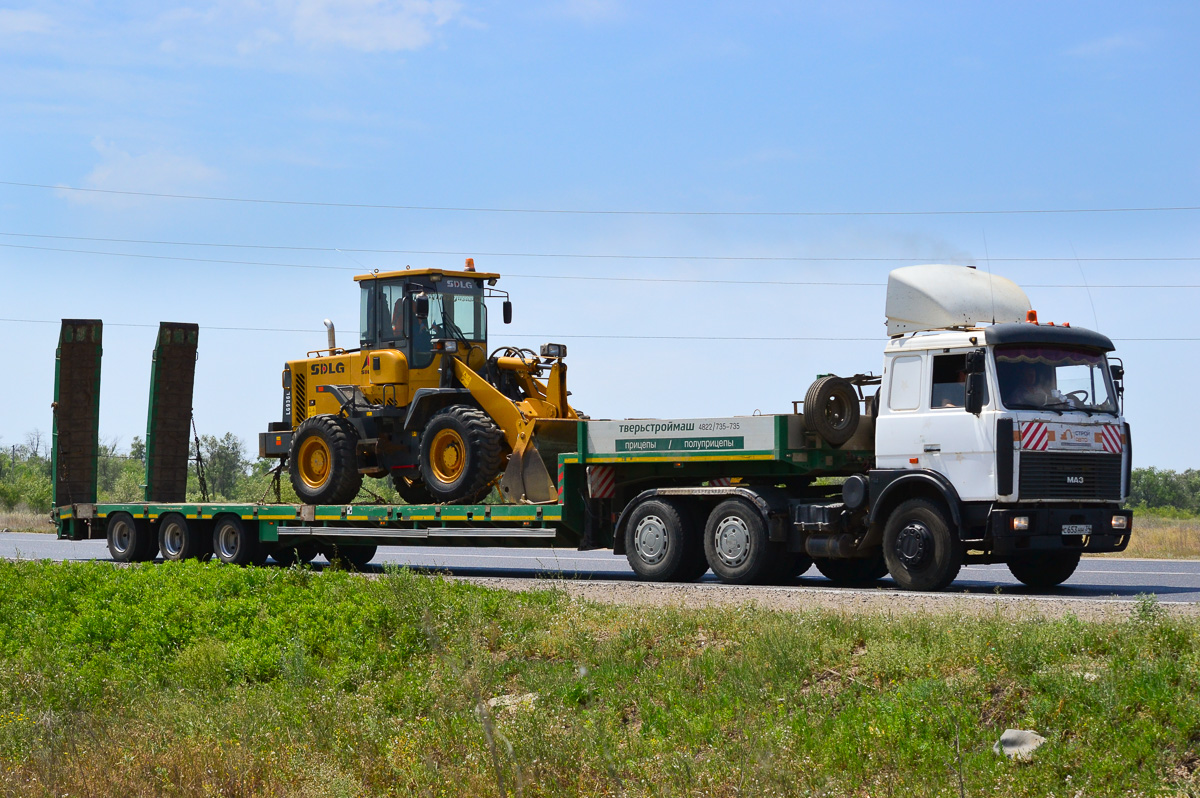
pixel 369 25
pixel 14 21
pixel 155 172
pixel 1106 46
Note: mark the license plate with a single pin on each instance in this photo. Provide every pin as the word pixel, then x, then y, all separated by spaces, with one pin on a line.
pixel 1077 529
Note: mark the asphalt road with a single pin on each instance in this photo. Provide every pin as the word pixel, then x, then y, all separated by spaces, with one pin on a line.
pixel 1169 580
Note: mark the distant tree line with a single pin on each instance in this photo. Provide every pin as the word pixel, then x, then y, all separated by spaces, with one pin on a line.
pixel 229 475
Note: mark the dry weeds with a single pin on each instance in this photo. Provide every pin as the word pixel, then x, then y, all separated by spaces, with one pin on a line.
pixel 25 521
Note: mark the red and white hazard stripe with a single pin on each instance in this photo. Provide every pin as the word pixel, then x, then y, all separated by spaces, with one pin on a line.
pixel 721 482
pixel 1111 437
pixel 1034 436
pixel 602 482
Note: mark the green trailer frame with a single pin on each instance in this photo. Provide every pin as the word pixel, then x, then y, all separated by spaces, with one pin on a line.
pixel 652 454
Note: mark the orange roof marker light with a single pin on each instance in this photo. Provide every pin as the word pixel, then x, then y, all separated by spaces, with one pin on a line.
pixel 1031 316
pixel 470 264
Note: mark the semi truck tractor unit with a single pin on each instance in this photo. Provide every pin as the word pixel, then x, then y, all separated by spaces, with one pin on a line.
pixel 987 437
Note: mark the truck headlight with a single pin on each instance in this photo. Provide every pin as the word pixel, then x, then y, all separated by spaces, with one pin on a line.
pixel 1020 523
pixel 1120 522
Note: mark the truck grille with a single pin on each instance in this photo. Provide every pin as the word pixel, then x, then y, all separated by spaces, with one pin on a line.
pixel 1058 475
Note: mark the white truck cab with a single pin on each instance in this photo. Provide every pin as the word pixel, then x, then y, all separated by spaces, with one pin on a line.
pixel 1017 424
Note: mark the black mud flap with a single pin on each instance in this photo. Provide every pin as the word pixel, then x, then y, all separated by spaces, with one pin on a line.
pixel 168 424
pixel 74 443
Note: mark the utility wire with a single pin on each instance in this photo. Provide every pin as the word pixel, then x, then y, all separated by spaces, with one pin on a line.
pixel 598 256
pixel 544 337
pixel 583 212
pixel 599 278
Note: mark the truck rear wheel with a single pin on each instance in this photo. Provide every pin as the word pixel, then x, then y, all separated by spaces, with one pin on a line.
pixel 831 409
pixel 321 461
pixel 1046 569
pixel 736 543
pixel 129 539
pixel 657 543
pixel 859 572
pixel 461 454
pixel 921 550
pixel 180 540
pixel 234 544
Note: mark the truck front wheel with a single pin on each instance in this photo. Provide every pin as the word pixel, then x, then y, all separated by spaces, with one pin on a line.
pixel 736 544
pixel 1046 569
pixel 321 461
pixel 921 550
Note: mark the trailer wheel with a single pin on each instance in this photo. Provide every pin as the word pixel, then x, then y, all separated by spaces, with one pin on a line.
pixel 321 461
pixel 234 544
pixel 736 543
pixel 129 539
pixel 357 557
pixel 831 409
pixel 858 572
pixel 656 542
pixel 299 554
pixel 919 547
pixel 179 540
pixel 1046 569
pixel 462 450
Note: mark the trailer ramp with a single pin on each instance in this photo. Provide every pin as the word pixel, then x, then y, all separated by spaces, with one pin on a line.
pixel 169 416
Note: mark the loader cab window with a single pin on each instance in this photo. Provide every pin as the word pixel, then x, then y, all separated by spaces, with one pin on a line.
pixel 381 314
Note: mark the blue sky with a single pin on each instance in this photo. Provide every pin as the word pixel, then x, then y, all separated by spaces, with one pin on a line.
pixel 586 105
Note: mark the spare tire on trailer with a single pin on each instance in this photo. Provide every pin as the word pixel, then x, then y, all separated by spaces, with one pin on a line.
pixel 831 409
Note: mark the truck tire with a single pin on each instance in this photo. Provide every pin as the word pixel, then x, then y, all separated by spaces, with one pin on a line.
pixel 859 572
pixel 736 543
pixel 831 410
pixel 180 540
pixel 786 566
pixel 234 544
pixel 920 548
pixel 321 461
pixel 1046 569
pixel 299 554
pixel 355 557
pixel 462 450
pixel 657 542
pixel 412 490
pixel 130 539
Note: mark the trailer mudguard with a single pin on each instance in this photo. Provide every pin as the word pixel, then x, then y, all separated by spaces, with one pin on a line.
pixel 427 401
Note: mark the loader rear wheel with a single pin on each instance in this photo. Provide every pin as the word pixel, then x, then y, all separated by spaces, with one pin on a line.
pixel 321 461
pixel 461 454
pixel 831 410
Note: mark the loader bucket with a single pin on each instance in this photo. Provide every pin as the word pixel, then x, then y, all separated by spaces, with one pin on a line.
pixel 528 480
pixel 168 423
pixel 76 411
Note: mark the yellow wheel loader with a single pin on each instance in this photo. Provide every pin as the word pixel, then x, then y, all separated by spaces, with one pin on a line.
pixel 423 401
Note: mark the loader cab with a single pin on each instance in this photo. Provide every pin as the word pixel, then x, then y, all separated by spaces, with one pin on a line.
pixel 407 311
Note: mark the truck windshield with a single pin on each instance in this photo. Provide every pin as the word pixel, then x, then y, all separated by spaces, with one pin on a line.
pixel 1054 378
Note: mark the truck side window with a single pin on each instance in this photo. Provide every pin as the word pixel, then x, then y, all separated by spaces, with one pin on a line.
pixel 905 390
pixel 950 382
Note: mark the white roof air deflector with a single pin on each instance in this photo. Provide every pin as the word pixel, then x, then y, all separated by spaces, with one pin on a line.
pixel 936 296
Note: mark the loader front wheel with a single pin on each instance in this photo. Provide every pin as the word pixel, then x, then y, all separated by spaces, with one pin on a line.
pixel 462 450
pixel 321 462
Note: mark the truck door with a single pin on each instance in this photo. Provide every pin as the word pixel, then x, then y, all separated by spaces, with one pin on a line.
pixel 957 443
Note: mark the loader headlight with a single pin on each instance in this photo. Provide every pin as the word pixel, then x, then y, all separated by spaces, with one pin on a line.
pixel 554 350
pixel 448 347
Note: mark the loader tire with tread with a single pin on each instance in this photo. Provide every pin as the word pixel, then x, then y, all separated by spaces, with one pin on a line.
pixel 831 410
pixel 462 451
pixel 322 463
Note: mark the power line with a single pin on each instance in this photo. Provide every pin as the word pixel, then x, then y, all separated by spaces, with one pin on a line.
pixel 584 212
pixel 599 278
pixel 597 256
pixel 548 337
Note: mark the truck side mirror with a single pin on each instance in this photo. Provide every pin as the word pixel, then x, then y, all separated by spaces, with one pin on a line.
pixel 507 312
pixel 976 361
pixel 975 391
pixel 1117 371
pixel 421 306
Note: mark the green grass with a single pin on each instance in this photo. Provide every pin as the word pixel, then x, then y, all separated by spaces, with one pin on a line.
pixel 191 679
